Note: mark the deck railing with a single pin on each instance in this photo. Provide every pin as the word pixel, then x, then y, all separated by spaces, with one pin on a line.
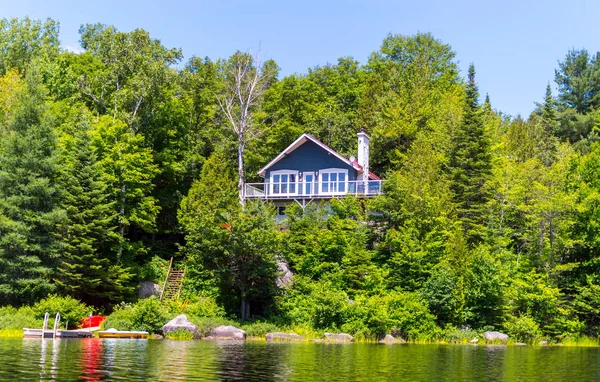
pixel 322 190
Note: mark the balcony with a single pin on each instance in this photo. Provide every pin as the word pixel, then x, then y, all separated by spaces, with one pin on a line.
pixel 313 190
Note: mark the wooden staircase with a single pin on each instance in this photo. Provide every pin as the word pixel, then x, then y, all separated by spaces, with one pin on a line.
pixel 173 283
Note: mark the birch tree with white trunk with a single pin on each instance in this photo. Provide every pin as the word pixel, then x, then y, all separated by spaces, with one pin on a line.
pixel 246 78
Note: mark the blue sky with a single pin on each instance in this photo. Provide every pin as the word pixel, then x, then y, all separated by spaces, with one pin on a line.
pixel 515 45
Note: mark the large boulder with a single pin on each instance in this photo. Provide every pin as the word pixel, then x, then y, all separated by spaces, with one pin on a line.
pixel 389 339
pixel 285 275
pixel 495 336
pixel 226 333
pixel 148 289
pixel 286 337
pixel 338 337
pixel 181 323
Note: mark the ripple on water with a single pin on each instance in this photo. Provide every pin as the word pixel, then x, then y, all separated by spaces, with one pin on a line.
pixel 150 360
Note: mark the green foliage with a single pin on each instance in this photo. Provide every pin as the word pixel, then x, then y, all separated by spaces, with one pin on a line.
pixel 23 40
pixel 71 310
pixel 17 319
pixel 260 329
pixel 154 270
pixel 180 335
pixel 147 314
pixel 522 329
pixel 116 158
pixel 88 268
pixel 206 324
pixel 204 307
pixel 29 195
pixel 470 164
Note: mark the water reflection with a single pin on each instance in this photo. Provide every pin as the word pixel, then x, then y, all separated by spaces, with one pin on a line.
pixel 115 359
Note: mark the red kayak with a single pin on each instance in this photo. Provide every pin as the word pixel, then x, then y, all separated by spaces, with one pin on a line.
pixel 92 322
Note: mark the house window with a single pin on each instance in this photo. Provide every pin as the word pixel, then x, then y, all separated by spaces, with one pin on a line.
pixel 333 181
pixel 284 182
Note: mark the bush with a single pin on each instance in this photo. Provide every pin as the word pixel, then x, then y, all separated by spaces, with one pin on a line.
pixel 121 318
pixel 522 329
pixel 455 335
pixel 13 318
pixel 155 270
pixel 180 334
pixel 400 314
pixel 147 315
pixel 204 307
pixel 260 329
pixel 328 308
pixel 206 324
pixel 71 310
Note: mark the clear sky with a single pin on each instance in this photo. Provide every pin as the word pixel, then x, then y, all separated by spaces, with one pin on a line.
pixel 515 45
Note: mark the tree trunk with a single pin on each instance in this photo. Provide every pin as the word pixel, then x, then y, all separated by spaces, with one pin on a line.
pixel 121 223
pixel 241 175
pixel 551 234
pixel 243 309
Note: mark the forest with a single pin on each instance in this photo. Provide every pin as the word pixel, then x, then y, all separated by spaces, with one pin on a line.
pixel 118 158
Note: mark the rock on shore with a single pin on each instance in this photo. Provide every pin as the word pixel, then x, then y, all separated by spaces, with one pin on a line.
pixel 338 337
pixel 495 336
pixel 181 323
pixel 389 339
pixel 226 333
pixel 287 337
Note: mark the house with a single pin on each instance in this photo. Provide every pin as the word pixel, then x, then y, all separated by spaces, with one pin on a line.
pixel 309 170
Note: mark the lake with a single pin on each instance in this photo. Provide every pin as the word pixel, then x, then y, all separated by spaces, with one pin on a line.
pixel 164 360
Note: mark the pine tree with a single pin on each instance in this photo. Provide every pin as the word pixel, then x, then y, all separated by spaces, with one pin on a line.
pixel 470 164
pixel 88 268
pixel 29 209
pixel 549 127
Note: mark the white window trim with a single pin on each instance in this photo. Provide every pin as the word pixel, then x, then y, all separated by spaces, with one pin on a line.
pixel 335 171
pixel 283 172
pixel 314 185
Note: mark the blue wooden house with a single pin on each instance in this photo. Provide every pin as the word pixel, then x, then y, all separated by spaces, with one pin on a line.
pixel 308 170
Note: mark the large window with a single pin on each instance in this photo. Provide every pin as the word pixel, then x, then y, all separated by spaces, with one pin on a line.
pixel 333 181
pixel 284 182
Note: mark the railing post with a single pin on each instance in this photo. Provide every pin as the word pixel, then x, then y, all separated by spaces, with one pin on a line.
pixel 162 293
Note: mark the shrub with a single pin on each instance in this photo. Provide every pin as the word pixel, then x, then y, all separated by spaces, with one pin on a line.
pixel 260 329
pixel 180 334
pixel 455 335
pixel 206 324
pixel 24 317
pixel 71 310
pixel 522 329
pixel 410 317
pixel 121 318
pixel 155 270
pixel 204 307
pixel 328 308
pixel 147 315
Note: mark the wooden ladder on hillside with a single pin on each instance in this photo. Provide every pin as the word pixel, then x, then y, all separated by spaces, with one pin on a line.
pixel 173 283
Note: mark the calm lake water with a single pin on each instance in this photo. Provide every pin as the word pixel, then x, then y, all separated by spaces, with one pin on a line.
pixel 154 360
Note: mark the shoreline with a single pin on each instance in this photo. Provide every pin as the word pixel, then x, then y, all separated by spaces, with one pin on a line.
pixel 584 342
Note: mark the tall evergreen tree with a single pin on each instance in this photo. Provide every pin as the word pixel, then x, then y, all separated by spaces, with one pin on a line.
pixel 88 268
pixel 470 164
pixel 29 210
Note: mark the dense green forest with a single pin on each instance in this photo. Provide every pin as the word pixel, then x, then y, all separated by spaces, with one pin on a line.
pixel 115 159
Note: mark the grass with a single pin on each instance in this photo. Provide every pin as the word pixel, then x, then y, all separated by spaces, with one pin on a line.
pixel 11 333
pixel 180 335
pixel 580 342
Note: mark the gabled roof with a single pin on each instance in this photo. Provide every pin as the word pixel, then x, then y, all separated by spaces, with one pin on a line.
pixel 299 142
pixel 371 175
pixel 303 139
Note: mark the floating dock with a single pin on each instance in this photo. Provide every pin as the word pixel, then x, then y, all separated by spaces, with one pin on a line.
pixel 114 333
